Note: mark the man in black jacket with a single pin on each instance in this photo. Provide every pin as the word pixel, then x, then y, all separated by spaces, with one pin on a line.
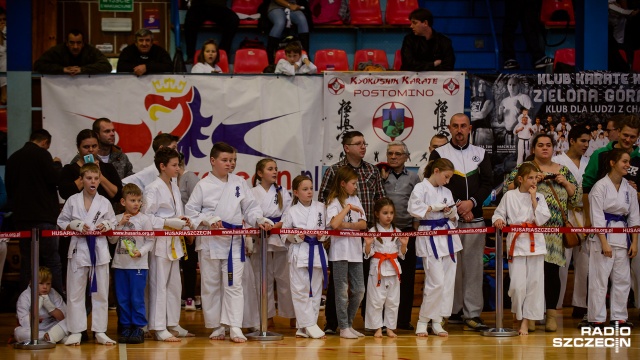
pixel 73 57
pixel 144 57
pixel 426 49
pixel 32 179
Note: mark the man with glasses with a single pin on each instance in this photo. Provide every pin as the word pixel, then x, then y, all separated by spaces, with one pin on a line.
pixel 370 189
pixel 398 184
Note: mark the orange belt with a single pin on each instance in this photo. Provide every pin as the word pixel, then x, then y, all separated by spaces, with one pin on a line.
pixel 531 239
pixel 382 257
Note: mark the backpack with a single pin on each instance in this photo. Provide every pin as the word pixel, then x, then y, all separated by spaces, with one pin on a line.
pixel 254 43
pixel 325 11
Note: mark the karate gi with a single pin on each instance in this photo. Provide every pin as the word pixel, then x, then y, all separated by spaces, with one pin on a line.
pixel 233 202
pixel 23 312
pixel 580 254
pixel 143 177
pixel 306 293
pixel 165 285
pixel 385 294
pixel 604 198
pixel 80 270
pixel 524 134
pixel 440 269
pixel 526 267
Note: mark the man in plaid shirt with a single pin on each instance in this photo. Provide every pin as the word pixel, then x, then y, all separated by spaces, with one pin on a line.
pixel 370 189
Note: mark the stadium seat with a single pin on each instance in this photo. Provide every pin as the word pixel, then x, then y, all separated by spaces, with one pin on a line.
pixel 378 57
pixel 331 59
pixel 397 60
pixel 250 61
pixel 365 12
pixel 635 67
pixel 223 63
pixel 397 12
pixel 247 7
pixel 281 55
pixel 555 13
pixel 565 56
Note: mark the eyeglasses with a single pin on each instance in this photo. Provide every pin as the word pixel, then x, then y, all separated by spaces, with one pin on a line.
pixel 359 144
pixel 391 153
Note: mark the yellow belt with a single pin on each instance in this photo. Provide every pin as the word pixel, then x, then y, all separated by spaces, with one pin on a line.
pixel 173 245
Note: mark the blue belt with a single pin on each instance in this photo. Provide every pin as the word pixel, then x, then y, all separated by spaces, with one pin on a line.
pixel 313 242
pixel 615 217
pixel 226 225
pixel 275 219
pixel 444 222
pixel 91 243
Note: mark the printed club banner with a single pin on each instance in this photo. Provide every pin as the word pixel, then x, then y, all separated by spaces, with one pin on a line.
pixel 406 106
pixel 261 116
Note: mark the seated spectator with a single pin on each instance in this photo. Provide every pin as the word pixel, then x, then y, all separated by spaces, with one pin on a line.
pixel 295 62
pixel 526 13
pixel 208 59
pixel 426 49
pixel 144 57
pixel 282 13
pixel 213 10
pixel 73 57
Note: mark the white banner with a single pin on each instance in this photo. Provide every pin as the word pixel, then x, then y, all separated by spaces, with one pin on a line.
pixel 261 116
pixel 388 106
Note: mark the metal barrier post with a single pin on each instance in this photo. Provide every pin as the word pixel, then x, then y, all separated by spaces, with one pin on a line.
pixel 34 343
pixel 263 334
pixel 499 331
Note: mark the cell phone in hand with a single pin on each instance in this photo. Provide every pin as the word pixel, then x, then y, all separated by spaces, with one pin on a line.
pixel 550 177
pixel 89 159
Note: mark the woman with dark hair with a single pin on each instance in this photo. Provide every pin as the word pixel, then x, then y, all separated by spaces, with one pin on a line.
pixel 553 178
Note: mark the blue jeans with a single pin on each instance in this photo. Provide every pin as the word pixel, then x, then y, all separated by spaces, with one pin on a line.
pixel 279 20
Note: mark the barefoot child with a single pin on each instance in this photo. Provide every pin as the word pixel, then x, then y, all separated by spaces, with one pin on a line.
pixel 384 274
pixel 525 207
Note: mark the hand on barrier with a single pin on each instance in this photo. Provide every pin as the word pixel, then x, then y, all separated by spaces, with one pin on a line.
pixel 104 226
pixel 265 223
pixel 295 238
pixel 175 223
pixel 78 225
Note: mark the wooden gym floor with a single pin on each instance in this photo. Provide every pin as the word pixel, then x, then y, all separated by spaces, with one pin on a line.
pixel 459 345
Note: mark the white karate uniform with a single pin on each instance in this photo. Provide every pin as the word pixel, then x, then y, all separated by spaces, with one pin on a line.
pixel 306 308
pixel 524 134
pixel 440 273
pixel 205 68
pixel 277 269
pixel 79 270
pixel 144 244
pixel 580 254
pixel 165 285
pixel 345 248
pixel 143 177
pixel 526 269
pixel 386 294
pixel 284 67
pixel 605 198
pixel 23 312
pixel 233 202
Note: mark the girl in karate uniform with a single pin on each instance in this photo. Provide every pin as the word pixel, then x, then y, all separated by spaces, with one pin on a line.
pixel 344 212
pixel 274 202
pixel 88 257
pixel 613 204
pixel 307 257
pixel 525 207
pixel 384 274
pixel 433 204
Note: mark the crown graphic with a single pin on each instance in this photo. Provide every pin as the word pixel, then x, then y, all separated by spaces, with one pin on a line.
pixel 169 86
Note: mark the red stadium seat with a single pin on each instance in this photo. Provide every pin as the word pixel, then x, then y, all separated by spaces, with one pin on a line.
pixel 378 57
pixel 223 63
pixel 250 61
pixel 397 12
pixel 565 56
pixel 555 13
pixel 331 59
pixel 247 7
pixel 397 60
pixel 635 67
pixel 3 119
pixel 281 55
pixel 365 12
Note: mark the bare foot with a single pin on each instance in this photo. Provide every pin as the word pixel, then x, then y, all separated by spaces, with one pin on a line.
pixel 424 334
pixel 172 339
pixel 378 333
pixel 219 337
pixel 238 340
pixel 46 337
pixel 524 327
pixel 391 334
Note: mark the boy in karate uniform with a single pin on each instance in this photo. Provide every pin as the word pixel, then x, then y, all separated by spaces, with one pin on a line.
pixel 88 256
pixel 223 200
pixel 163 204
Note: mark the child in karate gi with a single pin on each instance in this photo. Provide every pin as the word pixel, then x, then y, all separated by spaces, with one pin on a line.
pixel 52 326
pixel 384 274
pixel 307 257
pixel 613 204
pixel 163 205
pixel 223 201
pixel 295 62
pixel 88 257
pixel 433 204
pixel 131 265
pixel 525 207
pixel 344 212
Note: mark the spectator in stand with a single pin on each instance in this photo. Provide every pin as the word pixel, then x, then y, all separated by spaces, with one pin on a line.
pixel 73 57
pixel 426 49
pixel 144 57
pixel 282 13
pixel 526 13
pixel 216 11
